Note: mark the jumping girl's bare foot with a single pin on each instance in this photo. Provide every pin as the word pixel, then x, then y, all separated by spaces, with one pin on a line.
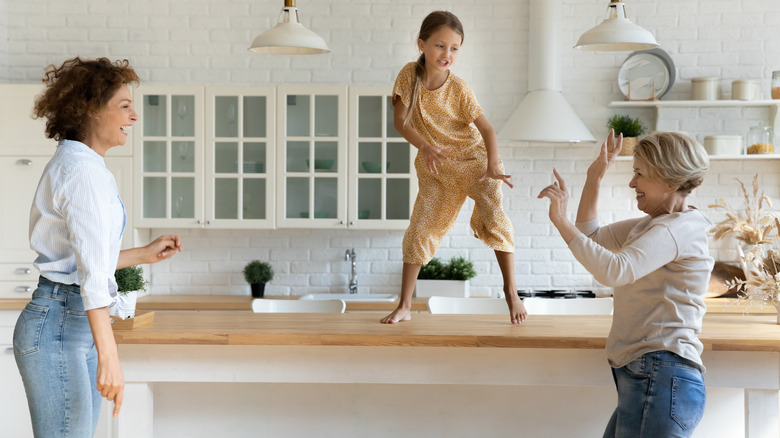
pixel 517 312
pixel 398 315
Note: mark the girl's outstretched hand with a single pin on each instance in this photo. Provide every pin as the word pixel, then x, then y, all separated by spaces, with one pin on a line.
pixel 559 199
pixel 493 173
pixel 433 156
pixel 610 150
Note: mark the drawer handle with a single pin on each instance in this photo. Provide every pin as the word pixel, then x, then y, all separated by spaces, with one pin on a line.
pixel 24 162
pixel 23 289
pixel 9 350
pixel 22 271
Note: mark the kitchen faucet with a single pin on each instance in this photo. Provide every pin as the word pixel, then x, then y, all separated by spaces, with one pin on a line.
pixel 350 256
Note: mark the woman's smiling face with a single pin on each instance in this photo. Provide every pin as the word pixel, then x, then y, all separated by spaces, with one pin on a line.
pixel 114 122
pixel 653 196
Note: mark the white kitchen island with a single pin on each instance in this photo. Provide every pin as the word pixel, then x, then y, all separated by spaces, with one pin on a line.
pixel 242 374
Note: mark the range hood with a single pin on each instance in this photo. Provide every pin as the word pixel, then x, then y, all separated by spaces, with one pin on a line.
pixel 544 115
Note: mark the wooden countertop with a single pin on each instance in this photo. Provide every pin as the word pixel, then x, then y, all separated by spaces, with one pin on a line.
pixel 725 332
pixel 13 303
pixel 244 302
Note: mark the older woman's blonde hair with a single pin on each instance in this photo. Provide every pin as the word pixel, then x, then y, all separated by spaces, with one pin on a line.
pixel 674 158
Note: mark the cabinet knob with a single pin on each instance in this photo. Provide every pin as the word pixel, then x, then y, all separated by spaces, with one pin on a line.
pixel 24 162
pixel 352 222
pixel 341 222
pixel 22 289
pixel 9 350
pixel 22 271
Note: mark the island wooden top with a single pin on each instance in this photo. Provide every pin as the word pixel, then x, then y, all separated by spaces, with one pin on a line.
pixel 724 332
pixel 243 302
pixel 13 303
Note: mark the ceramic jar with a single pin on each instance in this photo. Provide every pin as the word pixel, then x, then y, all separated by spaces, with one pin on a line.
pixel 723 144
pixel 744 89
pixel 705 88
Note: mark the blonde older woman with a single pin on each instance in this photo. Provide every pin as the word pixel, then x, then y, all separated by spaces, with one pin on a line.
pixel 659 266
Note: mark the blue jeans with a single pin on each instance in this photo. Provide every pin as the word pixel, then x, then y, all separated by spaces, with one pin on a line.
pixel 57 359
pixel 659 395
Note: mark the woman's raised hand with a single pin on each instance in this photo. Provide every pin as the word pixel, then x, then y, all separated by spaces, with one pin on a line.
pixel 610 150
pixel 434 155
pixel 559 198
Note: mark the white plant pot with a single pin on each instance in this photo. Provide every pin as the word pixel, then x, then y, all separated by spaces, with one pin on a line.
pixel 125 305
pixel 442 288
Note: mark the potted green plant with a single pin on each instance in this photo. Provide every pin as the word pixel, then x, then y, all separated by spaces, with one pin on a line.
pixel 449 279
pixel 129 282
pixel 631 128
pixel 257 274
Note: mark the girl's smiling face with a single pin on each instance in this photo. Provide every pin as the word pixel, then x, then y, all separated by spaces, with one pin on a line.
pixel 441 48
pixel 653 196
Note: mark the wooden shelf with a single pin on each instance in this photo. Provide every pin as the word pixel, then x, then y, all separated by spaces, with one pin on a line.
pixel 692 103
pixel 657 105
pixel 726 157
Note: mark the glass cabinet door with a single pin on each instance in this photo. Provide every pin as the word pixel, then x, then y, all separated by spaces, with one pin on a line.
pixel 382 179
pixel 240 165
pixel 312 154
pixel 168 153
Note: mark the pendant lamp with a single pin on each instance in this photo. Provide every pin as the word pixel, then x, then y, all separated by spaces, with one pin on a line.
pixel 289 37
pixel 616 33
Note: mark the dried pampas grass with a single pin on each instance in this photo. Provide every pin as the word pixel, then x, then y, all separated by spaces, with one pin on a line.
pixel 751 225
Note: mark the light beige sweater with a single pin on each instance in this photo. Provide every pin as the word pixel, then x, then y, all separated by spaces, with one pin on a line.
pixel 659 269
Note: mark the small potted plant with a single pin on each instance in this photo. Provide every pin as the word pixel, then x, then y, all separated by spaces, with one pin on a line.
pixel 445 279
pixel 257 274
pixel 129 281
pixel 631 128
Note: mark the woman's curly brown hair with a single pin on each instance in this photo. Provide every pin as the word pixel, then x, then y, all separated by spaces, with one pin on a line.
pixel 76 92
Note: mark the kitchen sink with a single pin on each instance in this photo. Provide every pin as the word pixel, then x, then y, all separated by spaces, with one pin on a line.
pixel 389 298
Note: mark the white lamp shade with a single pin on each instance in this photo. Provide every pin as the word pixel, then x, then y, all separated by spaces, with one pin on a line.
pixel 545 116
pixel 616 33
pixel 289 37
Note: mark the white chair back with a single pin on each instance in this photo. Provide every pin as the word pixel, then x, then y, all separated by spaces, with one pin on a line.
pixel 560 306
pixel 265 305
pixel 469 306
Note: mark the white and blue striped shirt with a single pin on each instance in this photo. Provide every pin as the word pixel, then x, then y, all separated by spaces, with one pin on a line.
pixel 76 223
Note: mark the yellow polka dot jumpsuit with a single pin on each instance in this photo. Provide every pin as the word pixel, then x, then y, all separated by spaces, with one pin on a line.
pixel 444 117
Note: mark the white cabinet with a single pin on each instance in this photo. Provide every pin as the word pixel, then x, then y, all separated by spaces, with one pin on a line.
pixel 342 164
pixel 204 157
pixel 168 156
pixel 19 177
pixel 264 157
pixel 240 157
pixel 18 181
pixel 382 179
pixel 312 153
pixel 20 134
pixel 14 414
pixel 17 280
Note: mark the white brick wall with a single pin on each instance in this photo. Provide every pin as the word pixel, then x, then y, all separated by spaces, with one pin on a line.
pixel 3 38
pixel 200 41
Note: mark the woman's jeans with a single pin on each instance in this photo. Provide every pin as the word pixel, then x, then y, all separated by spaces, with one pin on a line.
pixel 56 356
pixel 659 395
